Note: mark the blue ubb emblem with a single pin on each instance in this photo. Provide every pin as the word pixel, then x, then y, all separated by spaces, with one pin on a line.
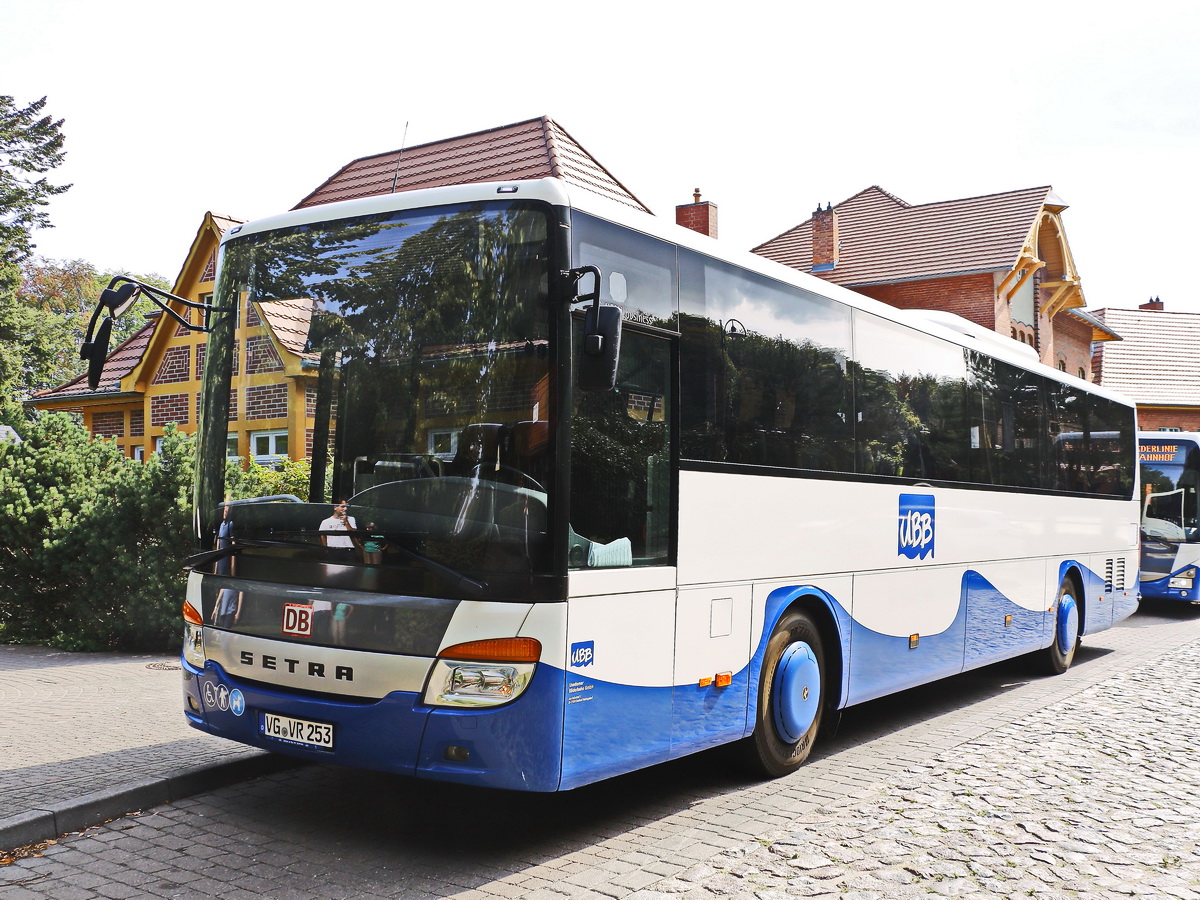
pixel 914 537
pixel 583 654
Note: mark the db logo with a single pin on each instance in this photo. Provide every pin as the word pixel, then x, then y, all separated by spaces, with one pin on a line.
pixel 914 538
pixel 583 654
pixel 297 619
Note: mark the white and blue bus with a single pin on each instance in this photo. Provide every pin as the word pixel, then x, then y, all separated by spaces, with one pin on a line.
pixel 1170 470
pixel 610 494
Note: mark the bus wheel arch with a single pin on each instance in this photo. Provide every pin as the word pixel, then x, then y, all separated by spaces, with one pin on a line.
pixel 798 683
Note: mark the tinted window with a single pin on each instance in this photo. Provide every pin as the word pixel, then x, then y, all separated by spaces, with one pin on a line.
pixel 763 374
pixel 909 390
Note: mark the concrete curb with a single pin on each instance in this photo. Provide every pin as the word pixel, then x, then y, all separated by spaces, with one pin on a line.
pixel 56 819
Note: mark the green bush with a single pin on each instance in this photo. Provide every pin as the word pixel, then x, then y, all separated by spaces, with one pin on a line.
pixel 91 542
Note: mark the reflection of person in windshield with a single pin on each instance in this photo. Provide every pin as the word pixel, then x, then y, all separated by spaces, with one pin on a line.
pixel 229 602
pixel 341 545
pixel 372 546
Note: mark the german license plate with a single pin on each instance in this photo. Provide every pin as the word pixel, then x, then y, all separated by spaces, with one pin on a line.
pixel 297 731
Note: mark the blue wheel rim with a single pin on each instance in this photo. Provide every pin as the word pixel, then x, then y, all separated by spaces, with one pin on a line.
pixel 796 693
pixel 1067 625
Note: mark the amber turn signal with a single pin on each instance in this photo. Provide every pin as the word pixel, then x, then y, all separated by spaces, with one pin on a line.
pixel 516 649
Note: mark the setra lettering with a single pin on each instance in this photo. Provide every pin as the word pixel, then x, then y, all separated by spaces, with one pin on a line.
pixel 295 666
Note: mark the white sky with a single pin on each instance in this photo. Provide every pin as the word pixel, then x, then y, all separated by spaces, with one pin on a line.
pixel 242 107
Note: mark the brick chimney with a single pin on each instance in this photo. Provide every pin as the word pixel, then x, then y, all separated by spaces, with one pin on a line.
pixel 825 239
pixel 1152 304
pixel 701 217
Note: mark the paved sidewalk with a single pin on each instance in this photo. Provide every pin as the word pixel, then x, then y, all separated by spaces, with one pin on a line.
pixel 86 737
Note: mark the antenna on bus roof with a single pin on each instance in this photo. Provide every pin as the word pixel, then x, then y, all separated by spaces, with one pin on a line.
pixel 399 154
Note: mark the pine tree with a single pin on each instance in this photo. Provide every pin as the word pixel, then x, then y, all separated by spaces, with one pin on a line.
pixel 31 144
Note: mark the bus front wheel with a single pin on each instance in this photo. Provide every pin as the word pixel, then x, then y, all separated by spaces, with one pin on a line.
pixel 791 697
pixel 1057 658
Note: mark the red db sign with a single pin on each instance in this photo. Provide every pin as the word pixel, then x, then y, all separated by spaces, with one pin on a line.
pixel 297 620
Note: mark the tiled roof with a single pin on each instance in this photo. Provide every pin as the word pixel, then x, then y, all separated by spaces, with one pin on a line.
pixel 289 321
pixel 537 148
pixel 121 361
pixel 884 239
pixel 1157 361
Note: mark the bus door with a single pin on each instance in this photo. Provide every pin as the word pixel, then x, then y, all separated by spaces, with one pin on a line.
pixel 621 616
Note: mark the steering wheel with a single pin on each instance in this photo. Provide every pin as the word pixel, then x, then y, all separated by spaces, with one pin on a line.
pixel 522 479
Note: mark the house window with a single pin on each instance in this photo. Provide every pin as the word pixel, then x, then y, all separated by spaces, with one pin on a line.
pixel 266 447
pixel 443 443
pixel 1169 428
pixel 139 452
pixel 231 446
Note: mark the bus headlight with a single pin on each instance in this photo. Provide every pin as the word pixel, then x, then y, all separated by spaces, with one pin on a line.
pixel 476 684
pixel 193 644
pixel 1184 579
pixel 485 673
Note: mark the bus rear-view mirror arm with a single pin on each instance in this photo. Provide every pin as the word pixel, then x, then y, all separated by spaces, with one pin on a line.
pixel 115 300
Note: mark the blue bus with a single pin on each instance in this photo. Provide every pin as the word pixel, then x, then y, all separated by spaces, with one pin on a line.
pixel 590 492
pixel 1170 474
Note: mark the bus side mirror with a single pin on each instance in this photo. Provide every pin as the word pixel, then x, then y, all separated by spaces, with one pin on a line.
pixel 601 350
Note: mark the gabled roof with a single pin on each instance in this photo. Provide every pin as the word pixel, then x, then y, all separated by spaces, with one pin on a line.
pixel 536 148
pixel 212 223
pixel 1157 361
pixel 884 239
pixel 121 361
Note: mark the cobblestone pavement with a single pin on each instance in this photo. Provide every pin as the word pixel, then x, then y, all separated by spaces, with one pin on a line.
pixel 76 726
pixel 989 784
pixel 1096 796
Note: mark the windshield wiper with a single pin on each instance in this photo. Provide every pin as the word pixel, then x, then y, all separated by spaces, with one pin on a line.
pixel 236 545
pixel 456 579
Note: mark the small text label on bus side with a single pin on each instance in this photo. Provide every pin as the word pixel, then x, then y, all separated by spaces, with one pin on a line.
pixel 915 535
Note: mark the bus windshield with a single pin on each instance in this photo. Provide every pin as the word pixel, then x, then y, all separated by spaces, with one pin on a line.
pixel 1170 477
pixel 424 349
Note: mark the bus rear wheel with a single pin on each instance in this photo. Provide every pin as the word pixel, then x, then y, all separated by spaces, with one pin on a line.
pixel 1057 658
pixel 791 697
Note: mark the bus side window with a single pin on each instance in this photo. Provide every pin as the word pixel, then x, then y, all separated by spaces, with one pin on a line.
pixel 620 462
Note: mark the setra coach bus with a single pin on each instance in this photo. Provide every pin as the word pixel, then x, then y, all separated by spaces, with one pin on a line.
pixel 1170 470
pixel 600 493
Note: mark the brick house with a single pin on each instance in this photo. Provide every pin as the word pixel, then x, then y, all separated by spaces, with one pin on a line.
pixel 1157 364
pixel 1001 261
pixel 152 380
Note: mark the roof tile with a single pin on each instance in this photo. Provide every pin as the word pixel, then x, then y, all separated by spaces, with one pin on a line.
pixel 1156 361
pixel 537 148
pixel 886 239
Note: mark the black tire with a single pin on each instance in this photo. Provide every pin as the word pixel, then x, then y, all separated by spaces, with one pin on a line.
pixel 766 752
pixel 1054 660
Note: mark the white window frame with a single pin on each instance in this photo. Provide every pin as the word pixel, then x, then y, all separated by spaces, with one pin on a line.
pixel 272 435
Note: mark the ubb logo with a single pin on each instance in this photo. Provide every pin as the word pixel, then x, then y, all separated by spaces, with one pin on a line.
pixel 914 537
pixel 583 654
